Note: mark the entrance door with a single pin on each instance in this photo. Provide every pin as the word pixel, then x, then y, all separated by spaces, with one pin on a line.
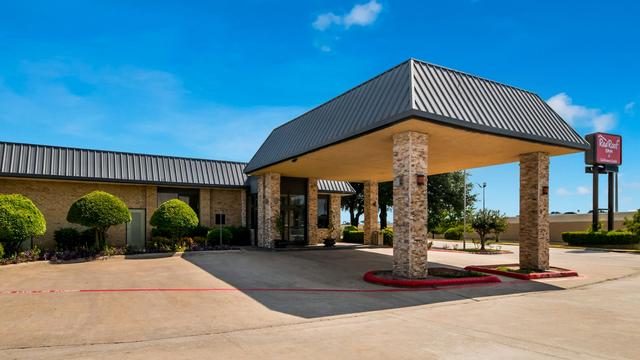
pixel 293 209
pixel 137 229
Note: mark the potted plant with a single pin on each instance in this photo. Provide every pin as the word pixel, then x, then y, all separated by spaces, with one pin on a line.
pixel 330 240
pixel 279 243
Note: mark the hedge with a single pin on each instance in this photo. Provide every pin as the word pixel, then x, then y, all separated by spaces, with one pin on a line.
pixel 454 233
pixel 214 236
pixel 348 228
pixel 356 236
pixel 584 238
pixel 387 236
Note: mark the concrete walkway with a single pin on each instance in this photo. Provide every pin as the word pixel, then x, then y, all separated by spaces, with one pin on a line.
pixel 593 316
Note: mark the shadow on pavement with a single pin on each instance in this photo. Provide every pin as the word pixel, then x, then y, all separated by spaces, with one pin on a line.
pixel 337 269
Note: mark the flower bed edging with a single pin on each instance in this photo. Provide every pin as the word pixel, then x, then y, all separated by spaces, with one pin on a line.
pixel 531 276
pixel 370 276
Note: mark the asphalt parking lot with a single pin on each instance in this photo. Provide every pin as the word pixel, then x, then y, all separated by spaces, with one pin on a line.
pixel 314 304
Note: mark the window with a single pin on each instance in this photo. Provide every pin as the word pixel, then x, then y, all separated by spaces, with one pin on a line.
pixel 189 196
pixel 221 219
pixel 323 211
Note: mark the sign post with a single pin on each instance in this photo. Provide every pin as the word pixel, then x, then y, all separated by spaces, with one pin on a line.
pixel 604 156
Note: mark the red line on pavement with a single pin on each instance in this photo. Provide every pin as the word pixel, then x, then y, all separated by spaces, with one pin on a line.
pixel 318 290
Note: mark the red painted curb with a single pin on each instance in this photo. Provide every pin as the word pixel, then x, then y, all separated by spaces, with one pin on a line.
pixel 370 276
pixel 532 276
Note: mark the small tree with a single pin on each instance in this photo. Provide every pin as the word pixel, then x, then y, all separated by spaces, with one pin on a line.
pixel 20 219
pixel 174 217
pixel 486 221
pixel 500 224
pixel 633 224
pixel 99 211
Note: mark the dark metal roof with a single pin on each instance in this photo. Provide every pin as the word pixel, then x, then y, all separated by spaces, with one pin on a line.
pixel 419 90
pixel 54 162
pixel 25 160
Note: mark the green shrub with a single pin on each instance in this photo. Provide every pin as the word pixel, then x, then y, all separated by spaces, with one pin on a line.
pixel 1 251
pixel 68 239
pixel 586 238
pixel 200 240
pixel 387 236
pixel 199 231
pixel 241 235
pixel 214 236
pixel 20 219
pixel 454 233
pixel 356 237
pixel 163 243
pixel 99 211
pixel 174 217
pixel 347 229
pixel 633 224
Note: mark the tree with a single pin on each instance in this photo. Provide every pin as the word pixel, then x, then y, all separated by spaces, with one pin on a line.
pixel 633 224
pixel 486 221
pixel 20 220
pixel 445 197
pixel 354 204
pixel 174 217
pixel 99 211
pixel 385 201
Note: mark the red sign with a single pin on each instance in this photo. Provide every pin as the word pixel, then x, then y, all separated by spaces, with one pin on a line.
pixel 606 149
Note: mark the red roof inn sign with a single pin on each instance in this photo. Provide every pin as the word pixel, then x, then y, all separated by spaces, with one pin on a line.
pixel 606 149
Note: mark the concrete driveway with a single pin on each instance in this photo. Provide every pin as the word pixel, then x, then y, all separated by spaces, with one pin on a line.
pixel 314 304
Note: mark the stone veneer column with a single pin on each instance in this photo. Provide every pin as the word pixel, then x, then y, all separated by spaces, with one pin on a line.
pixel 205 207
pixel 151 203
pixel 268 208
pixel 410 156
pixel 370 210
pixel 312 211
pixel 334 213
pixel 243 207
pixel 534 211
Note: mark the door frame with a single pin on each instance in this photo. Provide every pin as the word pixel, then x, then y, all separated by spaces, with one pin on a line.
pixel 126 233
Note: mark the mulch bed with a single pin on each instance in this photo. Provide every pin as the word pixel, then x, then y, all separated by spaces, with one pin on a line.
pixel 514 271
pixel 437 277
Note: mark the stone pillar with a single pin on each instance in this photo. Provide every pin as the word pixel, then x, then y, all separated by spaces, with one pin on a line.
pixel 151 203
pixel 370 211
pixel 243 207
pixel 410 238
pixel 312 211
pixel 268 209
pixel 534 211
pixel 205 207
pixel 334 214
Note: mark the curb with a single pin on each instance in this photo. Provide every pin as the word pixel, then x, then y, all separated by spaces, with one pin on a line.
pixel 370 276
pixel 531 276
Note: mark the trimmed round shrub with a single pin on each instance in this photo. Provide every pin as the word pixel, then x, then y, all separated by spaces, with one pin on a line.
pixel 387 236
pixel 174 217
pixel 214 236
pixel 99 211
pixel 454 233
pixel 20 219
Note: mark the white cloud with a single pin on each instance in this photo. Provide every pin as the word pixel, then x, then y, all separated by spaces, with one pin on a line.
pixel 360 14
pixel 580 190
pixel 581 116
pixel 325 48
pixel 628 108
pixel 129 109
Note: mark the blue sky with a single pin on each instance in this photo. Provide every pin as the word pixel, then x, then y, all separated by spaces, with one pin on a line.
pixel 211 79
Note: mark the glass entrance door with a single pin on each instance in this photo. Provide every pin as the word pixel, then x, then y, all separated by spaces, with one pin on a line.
pixel 293 213
pixel 136 228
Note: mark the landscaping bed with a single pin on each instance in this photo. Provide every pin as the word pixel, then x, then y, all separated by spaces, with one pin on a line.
pixel 473 251
pixel 439 276
pixel 514 271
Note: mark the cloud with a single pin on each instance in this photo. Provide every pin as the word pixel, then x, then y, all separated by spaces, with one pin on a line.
pixel 360 14
pixel 581 116
pixel 628 108
pixel 580 190
pixel 130 109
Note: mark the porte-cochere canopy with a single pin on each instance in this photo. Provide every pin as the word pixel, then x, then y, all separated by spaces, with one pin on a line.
pixel 471 121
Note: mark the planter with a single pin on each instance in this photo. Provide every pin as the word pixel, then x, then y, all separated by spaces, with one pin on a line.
pixel 382 277
pixel 553 272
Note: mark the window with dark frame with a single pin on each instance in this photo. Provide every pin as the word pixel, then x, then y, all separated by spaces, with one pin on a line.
pixel 221 219
pixel 323 211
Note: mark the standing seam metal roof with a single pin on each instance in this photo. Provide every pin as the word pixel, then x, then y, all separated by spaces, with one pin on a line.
pixel 54 162
pixel 421 90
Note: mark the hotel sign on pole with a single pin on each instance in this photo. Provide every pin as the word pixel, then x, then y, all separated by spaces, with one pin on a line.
pixel 603 157
pixel 606 149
